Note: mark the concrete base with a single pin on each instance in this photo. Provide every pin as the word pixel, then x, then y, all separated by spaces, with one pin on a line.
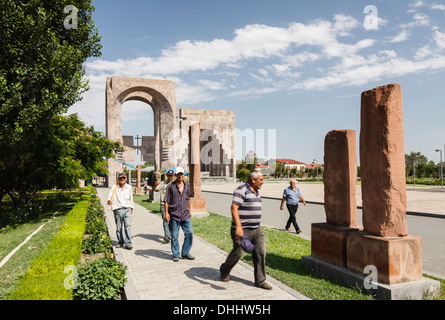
pixel 414 290
pixel 139 191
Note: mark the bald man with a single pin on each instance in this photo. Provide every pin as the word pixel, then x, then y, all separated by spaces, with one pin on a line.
pixel 292 196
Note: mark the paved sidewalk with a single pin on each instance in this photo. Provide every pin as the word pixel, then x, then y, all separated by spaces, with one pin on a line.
pixel 153 275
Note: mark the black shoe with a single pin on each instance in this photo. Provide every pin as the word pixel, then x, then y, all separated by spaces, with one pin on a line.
pixel 129 247
pixel 298 231
pixel 166 239
pixel 189 256
pixel 264 285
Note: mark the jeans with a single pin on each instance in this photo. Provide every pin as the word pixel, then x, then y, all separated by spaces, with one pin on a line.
pixel 257 237
pixel 122 217
pixel 292 216
pixel 186 226
pixel 165 224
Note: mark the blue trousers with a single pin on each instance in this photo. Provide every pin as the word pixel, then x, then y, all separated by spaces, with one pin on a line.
pixel 186 226
pixel 122 217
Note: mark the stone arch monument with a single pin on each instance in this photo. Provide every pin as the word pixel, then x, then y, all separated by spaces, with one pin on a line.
pixel 160 95
pixel 169 146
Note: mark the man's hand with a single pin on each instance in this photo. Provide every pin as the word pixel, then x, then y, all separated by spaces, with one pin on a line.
pixel 281 208
pixel 167 217
pixel 239 232
pixel 110 202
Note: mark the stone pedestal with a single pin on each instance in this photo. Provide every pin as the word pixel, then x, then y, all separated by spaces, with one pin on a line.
pixel 397 260
pixel 198 207
pixel 328 243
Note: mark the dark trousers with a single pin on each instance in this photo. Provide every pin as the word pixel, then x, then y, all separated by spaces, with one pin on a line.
pixel 257 237
pixel 292 208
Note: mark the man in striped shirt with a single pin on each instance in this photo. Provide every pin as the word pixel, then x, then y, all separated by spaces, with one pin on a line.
pixel 246 217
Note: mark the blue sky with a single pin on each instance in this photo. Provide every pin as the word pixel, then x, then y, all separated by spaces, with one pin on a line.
pixel 298 67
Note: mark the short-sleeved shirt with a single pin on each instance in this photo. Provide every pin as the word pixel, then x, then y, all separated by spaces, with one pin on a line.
pixel 161 188
pixel 292 196
pixel 249 206
pixel 178 203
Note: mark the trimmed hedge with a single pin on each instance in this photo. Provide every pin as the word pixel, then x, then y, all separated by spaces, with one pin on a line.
pixel 46 279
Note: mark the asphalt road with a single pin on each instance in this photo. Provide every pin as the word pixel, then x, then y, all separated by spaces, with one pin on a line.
pixel 430 229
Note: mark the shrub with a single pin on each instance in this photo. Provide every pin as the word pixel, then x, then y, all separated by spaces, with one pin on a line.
pixel 100 279
pixel 96 243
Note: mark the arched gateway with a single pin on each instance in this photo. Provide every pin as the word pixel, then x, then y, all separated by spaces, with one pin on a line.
pixel 168 147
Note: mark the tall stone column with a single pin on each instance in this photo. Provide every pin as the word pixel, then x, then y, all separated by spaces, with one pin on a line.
pixel 382 162
pixel 340 178
pixel 138 190
pixel 197 202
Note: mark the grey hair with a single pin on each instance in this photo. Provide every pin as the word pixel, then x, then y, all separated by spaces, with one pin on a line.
pixel 254 175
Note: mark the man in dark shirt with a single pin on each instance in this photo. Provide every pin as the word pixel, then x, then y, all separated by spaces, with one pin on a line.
pixel 177 213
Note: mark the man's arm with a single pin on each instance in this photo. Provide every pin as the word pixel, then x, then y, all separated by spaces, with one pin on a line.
pixel 239 232
pixel 282 203
pixel 302 199
pixel 167 216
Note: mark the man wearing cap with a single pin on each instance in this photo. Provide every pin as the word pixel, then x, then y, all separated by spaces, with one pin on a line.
pixel 177 213
pixel 246 232
pixel 120 198
pixel 161 187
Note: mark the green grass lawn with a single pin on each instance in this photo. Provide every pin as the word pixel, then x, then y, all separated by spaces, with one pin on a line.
pixel 283 261
pixel 19 263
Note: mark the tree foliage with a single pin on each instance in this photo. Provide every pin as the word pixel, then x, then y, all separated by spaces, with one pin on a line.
pixel 41 76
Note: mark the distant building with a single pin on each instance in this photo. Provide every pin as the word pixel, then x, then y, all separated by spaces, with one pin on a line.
pixel 291 164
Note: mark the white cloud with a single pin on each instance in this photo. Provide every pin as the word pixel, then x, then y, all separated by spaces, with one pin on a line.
pixel 402 36
pixel 313 56
pixel 436 6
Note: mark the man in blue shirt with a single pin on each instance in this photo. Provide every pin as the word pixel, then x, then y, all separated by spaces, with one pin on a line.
pixel 292 195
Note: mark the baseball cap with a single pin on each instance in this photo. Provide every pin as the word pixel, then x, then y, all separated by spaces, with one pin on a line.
pixel 179 170
pixel 246 244
pixel 170 172
pixel 121 174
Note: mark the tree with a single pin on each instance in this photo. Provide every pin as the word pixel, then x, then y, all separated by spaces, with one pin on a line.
pixel 64 151
pixel 41 76
pixel 417 159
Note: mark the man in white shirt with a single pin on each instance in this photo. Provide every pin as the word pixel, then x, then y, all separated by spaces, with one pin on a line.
pixel 120 198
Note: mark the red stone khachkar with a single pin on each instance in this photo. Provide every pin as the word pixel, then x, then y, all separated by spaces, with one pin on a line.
pixel 197 202
pixel 340 178
pixel 383 241
pixel 382 162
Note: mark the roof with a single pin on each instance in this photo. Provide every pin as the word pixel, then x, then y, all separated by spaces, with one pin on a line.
pixel 289 161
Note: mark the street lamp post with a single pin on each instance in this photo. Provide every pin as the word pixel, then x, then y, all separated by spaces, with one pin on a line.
pixel 441 167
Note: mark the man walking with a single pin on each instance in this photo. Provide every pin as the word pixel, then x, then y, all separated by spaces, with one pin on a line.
pixel 120 198
pixel 246 216
pixel 162 187
pixel 177 213
pixel 292 196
